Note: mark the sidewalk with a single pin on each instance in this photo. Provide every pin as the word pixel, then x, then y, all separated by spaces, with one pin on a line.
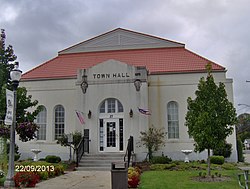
pixel 79 179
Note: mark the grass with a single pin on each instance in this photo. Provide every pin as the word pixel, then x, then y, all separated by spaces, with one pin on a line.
pixel 183 180
pixel 179 175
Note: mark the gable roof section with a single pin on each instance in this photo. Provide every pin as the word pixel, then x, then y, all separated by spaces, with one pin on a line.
pixel 156 60
pixel 120 39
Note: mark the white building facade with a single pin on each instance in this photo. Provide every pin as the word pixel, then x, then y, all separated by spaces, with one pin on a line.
pixel 108 78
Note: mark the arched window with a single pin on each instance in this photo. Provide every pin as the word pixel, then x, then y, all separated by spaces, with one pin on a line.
pixel 111 105
pixel 41 121
pixel 173 119
pixel 59 121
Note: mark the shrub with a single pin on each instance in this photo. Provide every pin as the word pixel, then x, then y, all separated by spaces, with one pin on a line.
pixel 52 159
pixel 59 170
pixel 133 177
pixel 229 166
pixel 162 166
pixel 17 154
pixel 43 175
pixel 1 174
pixel 224 150
pixel 240 150
pixel 26 179
pixel 219 160
pixel 161 160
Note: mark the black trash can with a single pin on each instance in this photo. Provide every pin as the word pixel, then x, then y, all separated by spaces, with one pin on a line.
pixel 119 175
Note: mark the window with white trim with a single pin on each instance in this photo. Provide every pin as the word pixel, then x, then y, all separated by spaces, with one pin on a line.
pixel 41 121
pixel 173 120
pixel 59 115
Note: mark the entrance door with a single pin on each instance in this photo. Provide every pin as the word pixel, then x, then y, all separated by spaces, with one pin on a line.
pixel 111 134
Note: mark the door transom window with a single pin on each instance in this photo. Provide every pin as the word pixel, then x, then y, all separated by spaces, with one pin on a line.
pixel 111 105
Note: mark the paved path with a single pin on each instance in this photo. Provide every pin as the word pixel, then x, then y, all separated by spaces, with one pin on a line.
pixel 79 179
pixel 247 158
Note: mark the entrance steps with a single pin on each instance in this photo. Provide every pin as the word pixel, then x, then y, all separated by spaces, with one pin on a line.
pixel 99 162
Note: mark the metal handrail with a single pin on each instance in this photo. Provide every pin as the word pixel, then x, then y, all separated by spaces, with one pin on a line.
pixel 79 151
pixel 130 149
pixel 81 148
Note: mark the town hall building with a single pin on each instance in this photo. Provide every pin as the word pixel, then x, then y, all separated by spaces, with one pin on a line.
pixel 114 86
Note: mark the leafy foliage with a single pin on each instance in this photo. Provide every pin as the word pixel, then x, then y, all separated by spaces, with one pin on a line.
pixel 240 150
pixel 243 122
pixel 133 177
pixel 17 154
pixel 219 160
pixel 161 160
pixel 7 56
pixel 4 132
pixel 243 127
pixel 27 131
pixel 52 159
pixel 26 179
pixel 153 139
pixel 225 150
pixel 63 140
pixel 24 101
pixel 210 115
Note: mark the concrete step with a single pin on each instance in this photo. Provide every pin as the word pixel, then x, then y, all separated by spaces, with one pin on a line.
pixel 93 168
pixel 99 162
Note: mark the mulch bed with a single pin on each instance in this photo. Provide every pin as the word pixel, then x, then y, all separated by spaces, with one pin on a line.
pixel 71 167
pixel 211 179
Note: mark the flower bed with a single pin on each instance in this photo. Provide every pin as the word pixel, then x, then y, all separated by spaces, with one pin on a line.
pixel 133 177
pixel 30 173
pixel 26 179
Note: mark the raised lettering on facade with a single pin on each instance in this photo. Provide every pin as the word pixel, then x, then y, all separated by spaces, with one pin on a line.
pixel 108 76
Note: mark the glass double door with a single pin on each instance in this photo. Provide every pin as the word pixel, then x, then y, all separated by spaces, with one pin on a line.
pixel 111 135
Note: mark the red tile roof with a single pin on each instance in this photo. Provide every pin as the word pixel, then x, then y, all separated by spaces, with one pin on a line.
pixel 157 61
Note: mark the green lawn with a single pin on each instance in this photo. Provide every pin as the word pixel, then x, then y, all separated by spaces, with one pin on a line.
pixel 183 180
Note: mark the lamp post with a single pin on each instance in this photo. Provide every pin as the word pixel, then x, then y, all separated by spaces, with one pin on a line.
pixel 15 76
pixel 244 105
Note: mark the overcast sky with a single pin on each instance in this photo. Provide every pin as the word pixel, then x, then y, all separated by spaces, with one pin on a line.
pixel 216 29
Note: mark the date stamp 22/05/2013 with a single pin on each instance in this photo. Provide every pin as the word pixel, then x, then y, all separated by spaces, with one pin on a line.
pixel 34 168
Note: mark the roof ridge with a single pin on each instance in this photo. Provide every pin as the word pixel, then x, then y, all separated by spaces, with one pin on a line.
pixel 120 50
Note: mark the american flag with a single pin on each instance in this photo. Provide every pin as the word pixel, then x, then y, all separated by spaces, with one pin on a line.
pixel 80 117
pixel 144 111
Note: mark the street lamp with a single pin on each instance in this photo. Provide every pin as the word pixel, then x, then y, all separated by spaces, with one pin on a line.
pixel 15 76
pixel 244 105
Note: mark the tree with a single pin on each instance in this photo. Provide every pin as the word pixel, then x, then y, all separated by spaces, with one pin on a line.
pixel 63 140
pixel 243 127
pixel 7 57
pixel 210 115
pixel 152 139
pixel 24 101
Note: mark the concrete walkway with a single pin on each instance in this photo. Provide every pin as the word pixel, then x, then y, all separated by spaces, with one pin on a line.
pixel 79 179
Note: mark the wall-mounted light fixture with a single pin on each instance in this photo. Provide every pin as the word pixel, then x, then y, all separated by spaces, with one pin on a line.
pixel 89 114
pixel 84 84
pixel 137 84
pixel 131 113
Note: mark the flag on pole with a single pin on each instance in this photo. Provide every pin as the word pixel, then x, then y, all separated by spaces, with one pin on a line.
pixel 144 111
pixel 80 117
